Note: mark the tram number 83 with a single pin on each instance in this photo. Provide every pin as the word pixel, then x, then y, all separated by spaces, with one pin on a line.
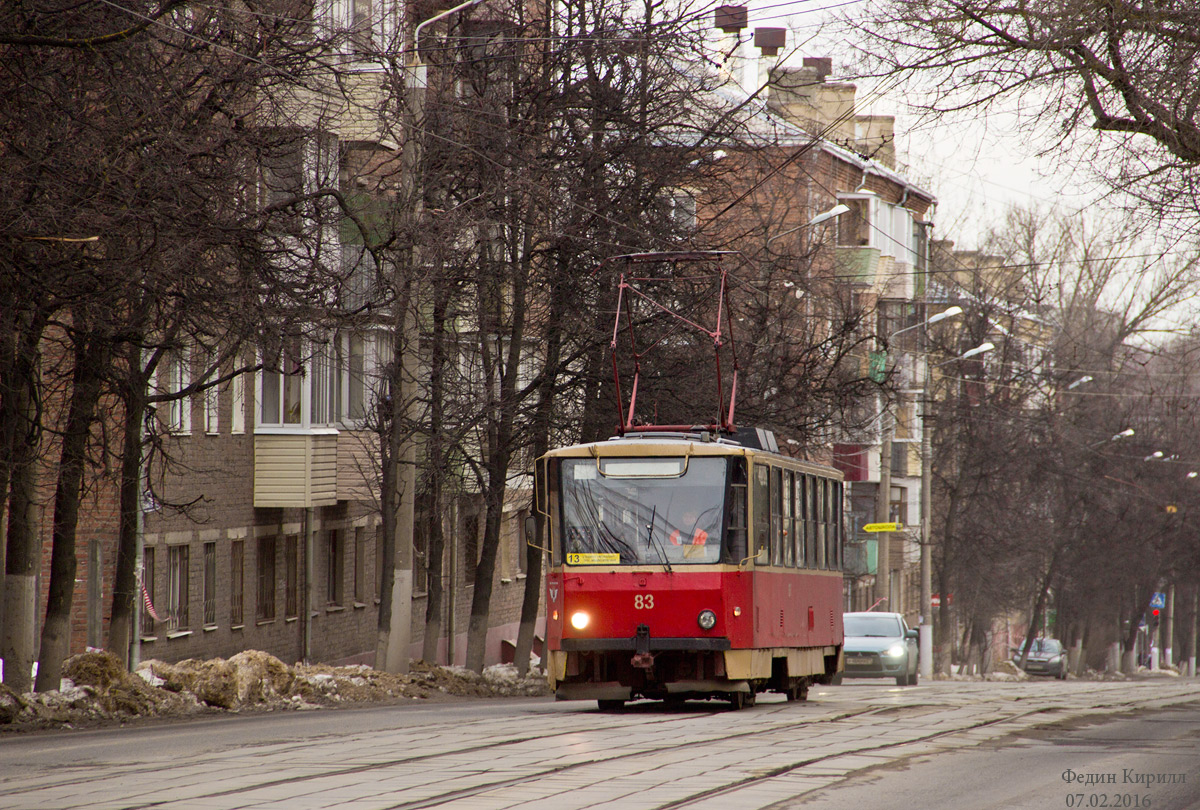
pixel 643 601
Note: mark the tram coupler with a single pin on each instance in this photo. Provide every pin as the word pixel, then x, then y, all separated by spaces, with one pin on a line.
pixel 642 659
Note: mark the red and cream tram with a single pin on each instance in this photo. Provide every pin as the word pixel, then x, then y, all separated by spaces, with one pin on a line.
pixel 690 564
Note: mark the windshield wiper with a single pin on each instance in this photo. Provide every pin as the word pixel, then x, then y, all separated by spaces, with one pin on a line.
pixel 650 539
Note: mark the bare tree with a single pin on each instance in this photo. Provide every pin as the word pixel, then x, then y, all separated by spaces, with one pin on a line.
pixel 139 145
pixel 1125 71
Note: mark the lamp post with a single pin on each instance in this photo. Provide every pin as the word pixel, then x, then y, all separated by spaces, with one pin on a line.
pixel 824 216
pixel 925 629
pixel 883 494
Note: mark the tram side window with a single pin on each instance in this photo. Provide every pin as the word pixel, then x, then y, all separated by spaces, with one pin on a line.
pixel 736 526
pixel 822 500
pixel 762 515
pixel 789 536
pixel 776 516
pixel 810 521
pixel 839 524
pixel 551 473
pixel 798 519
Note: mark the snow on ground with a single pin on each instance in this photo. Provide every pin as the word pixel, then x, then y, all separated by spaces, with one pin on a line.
pixel 96 689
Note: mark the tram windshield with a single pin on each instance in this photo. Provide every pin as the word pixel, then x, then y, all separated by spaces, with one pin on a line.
pixel 643 511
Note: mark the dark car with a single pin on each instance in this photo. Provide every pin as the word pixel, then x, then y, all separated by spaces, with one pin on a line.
pixel 1046 657
pixel 879 645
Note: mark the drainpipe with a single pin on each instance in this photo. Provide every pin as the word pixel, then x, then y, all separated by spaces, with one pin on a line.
pixel 306 640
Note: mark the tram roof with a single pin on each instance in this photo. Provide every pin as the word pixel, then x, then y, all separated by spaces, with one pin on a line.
pixel 672 443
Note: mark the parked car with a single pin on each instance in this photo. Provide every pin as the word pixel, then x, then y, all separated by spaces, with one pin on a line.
pixel 879 645
pixel 1046 657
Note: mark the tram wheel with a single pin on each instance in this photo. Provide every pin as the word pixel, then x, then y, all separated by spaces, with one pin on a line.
pixel 741 700
pixel 797 690
pixel 611 705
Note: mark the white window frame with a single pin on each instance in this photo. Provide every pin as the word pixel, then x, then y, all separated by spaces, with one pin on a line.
pixel 350 380
pixel 311 369
pixel 237 404
pixel 172 376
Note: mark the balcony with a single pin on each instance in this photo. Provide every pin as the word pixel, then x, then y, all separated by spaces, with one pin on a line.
pixel 296 469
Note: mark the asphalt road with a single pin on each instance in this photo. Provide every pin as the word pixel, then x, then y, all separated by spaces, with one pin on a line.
pixel 866 744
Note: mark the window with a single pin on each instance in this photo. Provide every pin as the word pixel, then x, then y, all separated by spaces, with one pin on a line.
pixel 789 545
pixel 360 35
pixel 854 226
pixel 839 523
pixel 266 579
pixel 237 397
pixel 237 582
pixel 900 459
pixel 681 210
pixel 323 405
pixel 762 521
pixel 148 587
pixel 212 402
pixel 173 377
pixel 210 584
pixel 302 384
pixel 776 516
pixel 738 526
pixel 177 588
pixel 282 386
pixel 334 567
pixel 356 377
pixel 522 545
pixel 820 499
pixel 360 565
pixel 471 545
pixel 809 518
pixel 798 520
pixel 291 576
pixel 283 170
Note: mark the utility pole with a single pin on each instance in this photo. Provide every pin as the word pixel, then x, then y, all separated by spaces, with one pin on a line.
pixel 883 565
pixel 925 630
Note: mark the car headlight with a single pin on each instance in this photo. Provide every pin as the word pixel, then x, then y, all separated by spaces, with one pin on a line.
pixel 707 619
pixel 895 651
pixel 579 620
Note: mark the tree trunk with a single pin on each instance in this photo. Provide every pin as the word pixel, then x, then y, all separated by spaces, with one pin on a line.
pixel 90 361
pixel 435 538
pixel 531 601
pixel 22 429
pixel 500 377
pixel 125 592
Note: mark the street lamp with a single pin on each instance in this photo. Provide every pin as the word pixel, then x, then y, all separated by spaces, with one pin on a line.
pixel 825 216
pixel 925 629
pixel 883 495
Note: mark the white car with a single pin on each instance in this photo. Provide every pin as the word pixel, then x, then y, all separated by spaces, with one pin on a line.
pixel 879 645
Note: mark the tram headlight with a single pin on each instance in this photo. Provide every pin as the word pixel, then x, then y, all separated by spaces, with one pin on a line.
pixel 579 620
pixel 707 619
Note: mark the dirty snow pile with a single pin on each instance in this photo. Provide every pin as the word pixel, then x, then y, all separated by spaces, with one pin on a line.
pixel 97 690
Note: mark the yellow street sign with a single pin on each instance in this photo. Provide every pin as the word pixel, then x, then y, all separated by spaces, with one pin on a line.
pixel 883 527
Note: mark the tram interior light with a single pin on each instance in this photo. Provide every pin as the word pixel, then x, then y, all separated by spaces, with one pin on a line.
pixel 579 620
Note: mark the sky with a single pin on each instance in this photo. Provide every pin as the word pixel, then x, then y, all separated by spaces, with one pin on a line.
pixel 976 167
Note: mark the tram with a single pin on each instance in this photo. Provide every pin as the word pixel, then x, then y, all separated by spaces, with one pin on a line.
pixel 688 565
pixel 689 562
